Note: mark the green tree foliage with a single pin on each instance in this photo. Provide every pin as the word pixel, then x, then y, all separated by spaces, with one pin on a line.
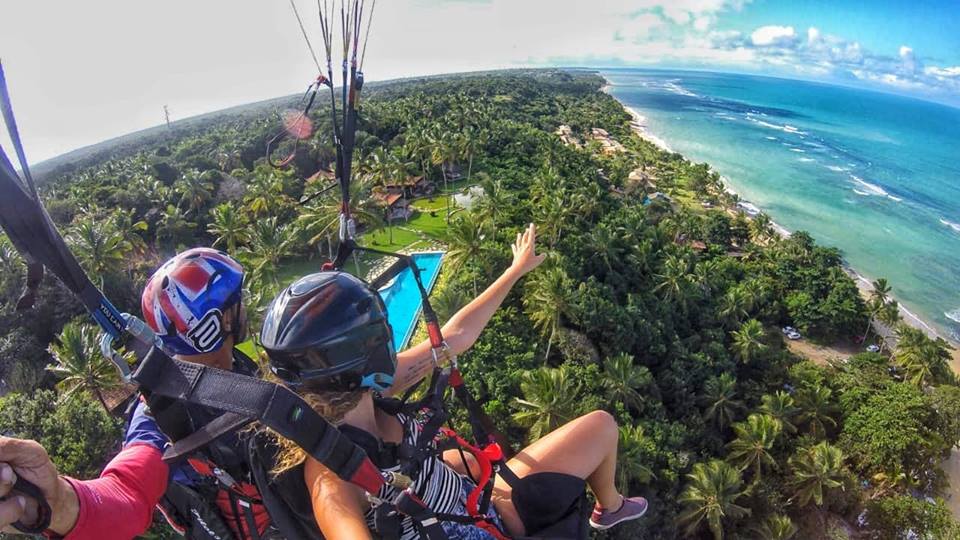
pixel 79 365
pixel 719 396
pixel 550 399
pixel 904 516
pixel 78 434
pixel 775 527
pixel 924 359
pixel 815 471
pixel 710 498
pixel 753 445
pixel 893 429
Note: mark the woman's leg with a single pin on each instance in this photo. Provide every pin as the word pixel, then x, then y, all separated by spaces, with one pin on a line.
pixel 585 447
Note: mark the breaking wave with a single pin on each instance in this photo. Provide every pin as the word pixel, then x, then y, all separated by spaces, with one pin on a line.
pixel 956 228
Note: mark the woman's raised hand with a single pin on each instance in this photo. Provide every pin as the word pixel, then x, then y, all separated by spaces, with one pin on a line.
pixel 525 257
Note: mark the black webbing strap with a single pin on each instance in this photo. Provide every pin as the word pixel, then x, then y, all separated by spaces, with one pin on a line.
pixel 221 425
pixel 424 519
pixel 275 406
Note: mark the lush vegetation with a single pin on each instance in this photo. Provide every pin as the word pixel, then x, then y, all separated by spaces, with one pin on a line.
pixel 663 311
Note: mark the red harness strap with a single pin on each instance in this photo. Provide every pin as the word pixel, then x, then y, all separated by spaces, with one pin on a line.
pixel 485 457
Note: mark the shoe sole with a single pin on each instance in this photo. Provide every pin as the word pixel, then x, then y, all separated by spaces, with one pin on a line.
pixel 599 527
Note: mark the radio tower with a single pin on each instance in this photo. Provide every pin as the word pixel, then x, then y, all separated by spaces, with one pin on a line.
pixel 166 115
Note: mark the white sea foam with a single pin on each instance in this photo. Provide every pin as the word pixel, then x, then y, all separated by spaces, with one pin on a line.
pixel 798 150
pixel 786 128
pixel 677 89
pixel 836 168
pixel 954 226
pixel 872 189
pixel 953 315
pixel 862 187
pixel 770 138
pixel 806 159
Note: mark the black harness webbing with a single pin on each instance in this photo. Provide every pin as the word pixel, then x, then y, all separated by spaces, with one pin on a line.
pixel 253 399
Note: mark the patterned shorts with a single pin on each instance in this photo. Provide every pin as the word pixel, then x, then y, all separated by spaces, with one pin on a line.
pixel 460 531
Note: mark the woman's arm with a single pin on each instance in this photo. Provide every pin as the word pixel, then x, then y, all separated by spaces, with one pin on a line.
pixel 463 329
pixel 337 506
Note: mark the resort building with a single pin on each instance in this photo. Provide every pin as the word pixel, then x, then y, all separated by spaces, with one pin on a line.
pixel 412 187
pixel 397 206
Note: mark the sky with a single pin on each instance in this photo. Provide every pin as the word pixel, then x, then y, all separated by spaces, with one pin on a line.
pixel 82 72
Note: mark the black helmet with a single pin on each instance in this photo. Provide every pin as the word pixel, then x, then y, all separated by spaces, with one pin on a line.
pixel 330 330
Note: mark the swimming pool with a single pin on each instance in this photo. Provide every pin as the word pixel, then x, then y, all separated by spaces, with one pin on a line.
pixel 403 298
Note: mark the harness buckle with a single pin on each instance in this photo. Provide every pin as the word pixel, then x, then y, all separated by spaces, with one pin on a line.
pixel 442 355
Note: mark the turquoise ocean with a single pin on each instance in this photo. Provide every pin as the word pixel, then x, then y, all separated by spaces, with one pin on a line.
pixel 876 175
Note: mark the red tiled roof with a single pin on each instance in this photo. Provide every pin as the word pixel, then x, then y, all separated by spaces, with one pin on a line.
pixel 322 174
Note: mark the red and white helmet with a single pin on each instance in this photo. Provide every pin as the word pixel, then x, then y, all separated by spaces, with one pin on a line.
pixel 185 300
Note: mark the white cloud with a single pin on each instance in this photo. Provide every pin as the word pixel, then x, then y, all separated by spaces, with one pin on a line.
pixel 943 72
pixel 703 23
pixel 773 36
pixel 813 35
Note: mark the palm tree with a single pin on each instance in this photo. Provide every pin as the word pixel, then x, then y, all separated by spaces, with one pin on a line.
pixel 755 439
pixel 492 206
pixel 734 306
pixel 122 222
pixel 445 154
pixel 229 226
pixel 604 242
pixel 719 396
pixel 551 397
pixel 623 379
pixel 174 226
pixel 889 316
pixel 816 409
pixel 634 446
pixel 761 229
pixel 321 217
pixel 80 365
pixel 710 496
pixel 269 244
pixel 780 405
pixel 385 169
pixel 925 360
pixel 816 470
pixel 674 279
pixel 194 190
pixel 417 145
pixel 877 302
pixel 100 247
pixel 551 208
pixel 748 341
pixel 448 301
pixel 775 527
pixel 465 237
pixel 548 298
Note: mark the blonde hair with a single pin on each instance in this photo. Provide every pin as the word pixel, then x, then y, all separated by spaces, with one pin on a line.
pixel 331 405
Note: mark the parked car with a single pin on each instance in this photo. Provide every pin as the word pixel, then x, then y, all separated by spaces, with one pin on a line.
pixel 787 330
pixel 793 335
pixel 873 348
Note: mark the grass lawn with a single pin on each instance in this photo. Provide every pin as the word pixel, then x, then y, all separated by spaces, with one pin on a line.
pixel 436 202
pixel 380 238
pixel 434 226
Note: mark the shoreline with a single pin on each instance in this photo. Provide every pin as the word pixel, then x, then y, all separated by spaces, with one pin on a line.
pixel 864 284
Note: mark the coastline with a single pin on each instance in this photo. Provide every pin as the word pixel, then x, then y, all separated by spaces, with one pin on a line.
pixel 864 284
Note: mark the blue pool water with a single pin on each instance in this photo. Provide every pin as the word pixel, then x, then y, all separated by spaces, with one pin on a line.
pixel 402 296
pixel 876 175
